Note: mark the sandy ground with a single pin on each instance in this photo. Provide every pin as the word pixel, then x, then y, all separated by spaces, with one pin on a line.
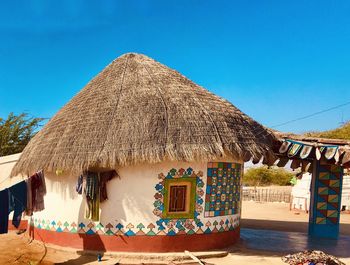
pixel 17 249
pixel 277 216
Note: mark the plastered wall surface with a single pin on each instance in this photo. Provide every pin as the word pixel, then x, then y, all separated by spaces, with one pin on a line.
pixel 130 206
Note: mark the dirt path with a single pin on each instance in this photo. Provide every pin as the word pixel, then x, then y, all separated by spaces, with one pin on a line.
pixel 17 249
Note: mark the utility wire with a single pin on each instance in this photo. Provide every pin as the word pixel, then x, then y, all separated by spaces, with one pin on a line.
pixel 283 123
pixel 311 115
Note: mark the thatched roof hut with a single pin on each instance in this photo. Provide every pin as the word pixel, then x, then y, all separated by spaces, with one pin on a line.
pixel 138 110
pixel 178 149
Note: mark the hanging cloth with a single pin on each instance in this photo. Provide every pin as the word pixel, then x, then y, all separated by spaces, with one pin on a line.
pixel 29 208
pixel 38 191
pixel 92 194
pixel 92 211
pixel 306 151
pixel 294 149
pixel 284 147
pixel 4 211
pixel 79 185
pixel 17 201
pixel 94 186
pixel 104 178
pixel 318 152
pixel 331 152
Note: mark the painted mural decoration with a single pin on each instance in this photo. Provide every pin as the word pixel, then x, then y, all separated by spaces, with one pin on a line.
pixel 223 189
pixel 184 222
pixel 166 225
pixel 118 229
pixel 328 192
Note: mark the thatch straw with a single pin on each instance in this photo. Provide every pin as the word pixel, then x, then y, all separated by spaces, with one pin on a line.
pixel 138 110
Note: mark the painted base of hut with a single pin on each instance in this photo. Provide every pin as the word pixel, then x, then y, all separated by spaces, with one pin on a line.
pixel 137 218
pixel 178 243
pixel 22 225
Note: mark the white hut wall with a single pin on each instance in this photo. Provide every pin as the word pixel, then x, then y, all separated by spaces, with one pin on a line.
pixel 136 201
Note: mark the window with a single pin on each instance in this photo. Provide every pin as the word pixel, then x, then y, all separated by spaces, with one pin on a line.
pixel 179 198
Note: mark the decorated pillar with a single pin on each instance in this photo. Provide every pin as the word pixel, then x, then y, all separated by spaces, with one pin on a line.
pixel 326 188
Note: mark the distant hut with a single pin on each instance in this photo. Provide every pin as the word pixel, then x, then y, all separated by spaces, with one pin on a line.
pixel 178 150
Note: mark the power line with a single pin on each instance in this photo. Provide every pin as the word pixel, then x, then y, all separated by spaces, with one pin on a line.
pixel 283 123
pixel 311 115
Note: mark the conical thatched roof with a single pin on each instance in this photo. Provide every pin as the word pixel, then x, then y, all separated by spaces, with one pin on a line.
pixel 138 110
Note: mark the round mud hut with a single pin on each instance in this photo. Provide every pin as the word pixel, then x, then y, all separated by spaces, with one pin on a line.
pixel 165 154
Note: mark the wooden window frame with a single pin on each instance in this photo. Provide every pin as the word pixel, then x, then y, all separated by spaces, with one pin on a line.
pixel 190 184
pixel 175 200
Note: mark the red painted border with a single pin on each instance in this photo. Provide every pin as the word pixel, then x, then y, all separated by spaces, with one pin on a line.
pixel 196 242
pixel 23 225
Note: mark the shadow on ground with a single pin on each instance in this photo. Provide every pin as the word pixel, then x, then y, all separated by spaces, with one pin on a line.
pixel 278 243
pixel 86 259
pixel 83 259
pixel 285 226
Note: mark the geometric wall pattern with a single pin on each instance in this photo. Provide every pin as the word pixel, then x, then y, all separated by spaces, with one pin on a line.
pixel 328 194
pixel 159 206
pixel 117 229
pixel 223 189
pixel 227 178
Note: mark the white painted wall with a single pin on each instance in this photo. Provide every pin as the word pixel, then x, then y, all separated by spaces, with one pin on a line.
pixel 301 192
pixel 130 200
pixel 345 198
pixel 6 165
pixel 131 197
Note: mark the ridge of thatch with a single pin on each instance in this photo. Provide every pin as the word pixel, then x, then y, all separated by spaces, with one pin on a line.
pixel 138 110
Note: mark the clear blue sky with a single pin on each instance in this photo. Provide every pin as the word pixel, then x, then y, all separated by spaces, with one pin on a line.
pixel 275 60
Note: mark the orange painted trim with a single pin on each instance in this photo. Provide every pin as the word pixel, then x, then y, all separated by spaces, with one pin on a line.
pixel 23 225
pixel 177 243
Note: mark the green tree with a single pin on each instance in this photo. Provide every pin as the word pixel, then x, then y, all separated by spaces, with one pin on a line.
pixel 343 132
pixel 264 176
pixel 16 132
